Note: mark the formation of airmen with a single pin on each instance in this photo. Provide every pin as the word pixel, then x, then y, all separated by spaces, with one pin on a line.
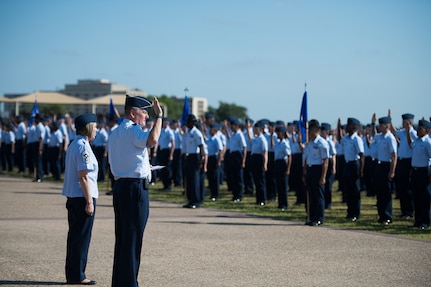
pixel 263 158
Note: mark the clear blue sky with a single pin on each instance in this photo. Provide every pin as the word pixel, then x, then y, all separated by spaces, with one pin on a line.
pixel 357 57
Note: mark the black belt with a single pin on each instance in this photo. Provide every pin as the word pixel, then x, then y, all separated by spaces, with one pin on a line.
pixel 145 182
pixel 383 162
pixel 420 168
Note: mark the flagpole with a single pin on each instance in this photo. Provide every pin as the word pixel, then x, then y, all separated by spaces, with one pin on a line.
pixel 306 142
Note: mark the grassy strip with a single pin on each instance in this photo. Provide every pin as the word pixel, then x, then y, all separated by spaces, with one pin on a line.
pixel 334 217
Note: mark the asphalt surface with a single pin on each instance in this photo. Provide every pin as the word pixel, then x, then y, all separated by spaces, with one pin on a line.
pixel 201 247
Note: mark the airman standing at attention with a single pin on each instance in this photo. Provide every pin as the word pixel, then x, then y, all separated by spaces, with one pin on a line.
pixel 404 166
pixel 332 164
pixel 353 147
pixel 315 168
pixel 421 178
pixel 386 145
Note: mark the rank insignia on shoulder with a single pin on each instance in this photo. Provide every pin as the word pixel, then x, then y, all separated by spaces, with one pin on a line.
pixel 86 157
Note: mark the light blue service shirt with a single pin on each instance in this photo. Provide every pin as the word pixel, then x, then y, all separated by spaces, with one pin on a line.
pixel 101 138
pixel 80 156
pixel 127 148
pixel 282 149
pixel 316 151
pixel 259 145
pixel 237 142
pixel 214 145
pixel 352 146
pixel 192 140
pixel 166 138
pixel 21 131
pixel 421 153
pixel 386 145
pixel 56 139
pixel 404 149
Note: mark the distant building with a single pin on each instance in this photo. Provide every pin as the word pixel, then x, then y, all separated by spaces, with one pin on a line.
pixel 198 106
pixel 90 89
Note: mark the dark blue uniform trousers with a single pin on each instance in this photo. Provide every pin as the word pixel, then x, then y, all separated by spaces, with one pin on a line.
pixel 165 173
pixel 420 186
pixel 351 188
pixel 78 238
pixel 131 207
pixel 213 175
pixel 402 178
pixel 236 174
pixel 316 193
pixel 259 178
pixel 193 179
pixel 384 192
pixel 282 182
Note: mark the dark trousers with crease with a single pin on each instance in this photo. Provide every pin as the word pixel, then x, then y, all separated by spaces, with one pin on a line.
pixel 402 181
pixel 131 207
pixel 78 238
pixel 384 191
pixel 282 181
pixel 316 193
pixel 351 189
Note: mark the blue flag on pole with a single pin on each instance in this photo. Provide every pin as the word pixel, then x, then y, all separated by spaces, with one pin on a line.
pixel 303 118
pixel 186 111
pixel 112 111
pixel 34 112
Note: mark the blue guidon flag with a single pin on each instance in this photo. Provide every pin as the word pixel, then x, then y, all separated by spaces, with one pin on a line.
pixel 303 118
pixel 186 111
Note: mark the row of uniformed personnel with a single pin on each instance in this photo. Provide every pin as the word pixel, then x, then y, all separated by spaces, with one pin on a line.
pixel 250 156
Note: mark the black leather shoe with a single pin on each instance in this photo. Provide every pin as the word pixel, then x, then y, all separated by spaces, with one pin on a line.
pixel 189 205
pixel 83 282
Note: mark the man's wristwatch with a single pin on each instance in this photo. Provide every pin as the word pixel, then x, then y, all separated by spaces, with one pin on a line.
pixel 159 116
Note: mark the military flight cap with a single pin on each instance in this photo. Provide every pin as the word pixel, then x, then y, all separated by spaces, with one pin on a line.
pixel 82 120
pixel 326 127
pixel 424 123
pixel 408 116
pixel 385 120
pixel 138 102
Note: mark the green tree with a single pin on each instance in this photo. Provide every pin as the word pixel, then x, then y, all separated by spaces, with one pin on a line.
pixel 171 107
pixel 225 110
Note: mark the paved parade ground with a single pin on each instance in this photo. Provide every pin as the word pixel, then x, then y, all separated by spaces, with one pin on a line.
pixel 201 247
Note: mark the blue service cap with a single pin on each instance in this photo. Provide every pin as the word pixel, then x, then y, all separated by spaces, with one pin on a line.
pixel 209 116
pixel 174 121
pixel 280 129
pixel 259 124
pixel 234 121
pixel 215 126
pixel 385 120
pixel 408 116
pixel 82 120
pixel 325 127
pixel 424 123
pixel 353 121
pixel 249 120
pixel 313 124
pixel 290 124
pixel 191 118
pixel 264 121
pixel 138 102
pixel 166 119
pixel 279 123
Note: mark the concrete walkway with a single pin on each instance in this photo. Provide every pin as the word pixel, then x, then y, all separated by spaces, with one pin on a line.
pixel 202 247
